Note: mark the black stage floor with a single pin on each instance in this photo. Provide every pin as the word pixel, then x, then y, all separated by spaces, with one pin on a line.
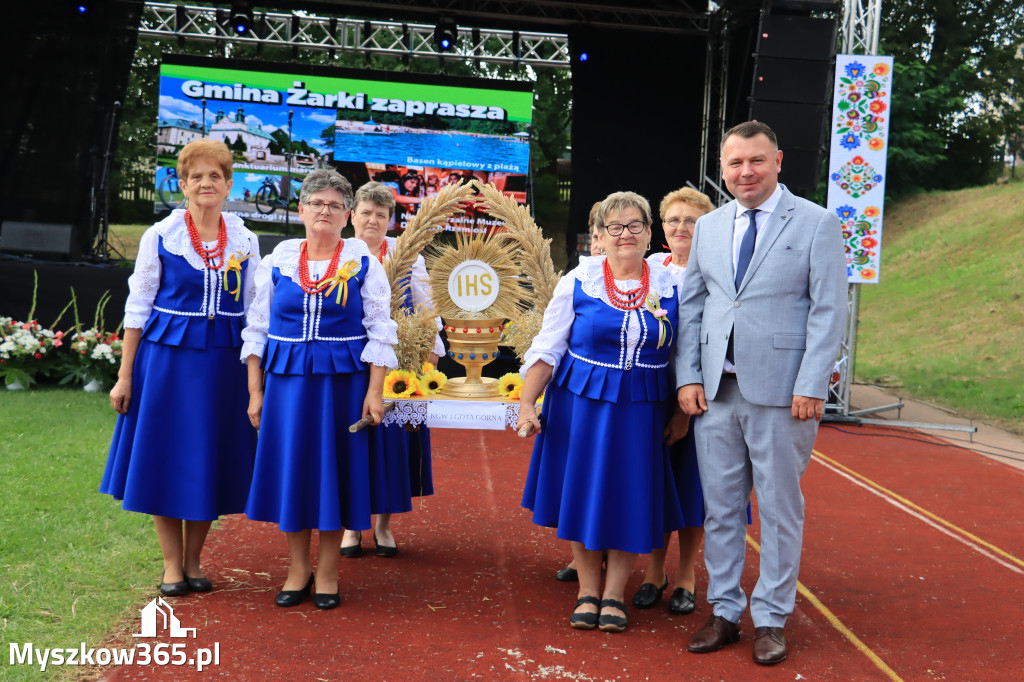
pixel 56 279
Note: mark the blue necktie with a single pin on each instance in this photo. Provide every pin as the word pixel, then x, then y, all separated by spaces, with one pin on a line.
pixel 746 247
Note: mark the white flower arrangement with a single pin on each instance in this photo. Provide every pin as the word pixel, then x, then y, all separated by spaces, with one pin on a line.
pixel 26 349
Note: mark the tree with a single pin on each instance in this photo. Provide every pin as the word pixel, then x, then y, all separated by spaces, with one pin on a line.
pixel 957 89
pixel 552 107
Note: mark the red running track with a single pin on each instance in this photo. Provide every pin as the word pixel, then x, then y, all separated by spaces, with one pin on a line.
pixel 913 569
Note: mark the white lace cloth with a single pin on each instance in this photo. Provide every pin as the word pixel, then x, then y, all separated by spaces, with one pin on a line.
pixel 145 281
pixel 421 294
pixel 415 413
pixel 551 344
pixel 381 330
pixel 677 271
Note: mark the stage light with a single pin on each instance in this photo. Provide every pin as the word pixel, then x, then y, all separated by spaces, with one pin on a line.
pixel 445 34
pixel 584 56
pixel 82 9
pixel 241 17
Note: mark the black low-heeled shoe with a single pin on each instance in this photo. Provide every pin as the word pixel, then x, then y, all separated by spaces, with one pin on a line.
pixel 383 550
pixel 584 620
pixel 682 602
pixel 568 575
pixel 199 584
pixel 178 589
pixel 610 623
pixel 648 595
pixel 352 551
pixel 327 602
pixel 287 598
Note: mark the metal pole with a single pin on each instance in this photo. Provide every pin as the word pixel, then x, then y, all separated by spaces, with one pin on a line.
pixel 101 193
pixel 851 334
pixel 288 192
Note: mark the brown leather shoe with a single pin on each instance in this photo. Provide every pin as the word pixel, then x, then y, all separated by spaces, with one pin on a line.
pixel 769 646
pixel 714 635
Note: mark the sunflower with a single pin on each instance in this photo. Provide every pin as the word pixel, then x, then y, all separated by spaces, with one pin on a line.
pixel 508 382
pixel 516 393
pixel 399 383
pixel 432 382
pixel 426 368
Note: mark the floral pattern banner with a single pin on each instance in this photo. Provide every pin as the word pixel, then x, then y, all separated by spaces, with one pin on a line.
pixel 857 160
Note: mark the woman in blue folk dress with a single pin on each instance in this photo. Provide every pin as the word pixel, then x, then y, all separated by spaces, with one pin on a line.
pixel 318 344
pixel 183 447
pixel 402 469
pixel 679 211
pixel 600 471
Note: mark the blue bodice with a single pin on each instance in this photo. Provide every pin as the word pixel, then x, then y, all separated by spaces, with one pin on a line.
pixel 190 300
pixel 613 354
pixel 314 333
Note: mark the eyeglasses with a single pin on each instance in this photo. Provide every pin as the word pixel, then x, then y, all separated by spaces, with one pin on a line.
pixel 676 222
pixel 634 227
pixel 318 206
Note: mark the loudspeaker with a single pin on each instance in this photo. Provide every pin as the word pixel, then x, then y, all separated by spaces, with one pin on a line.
pixel 796 125
pixel 792 80
pixel 788 37
pixel 792 88
pixel 36 239
pixel 801 167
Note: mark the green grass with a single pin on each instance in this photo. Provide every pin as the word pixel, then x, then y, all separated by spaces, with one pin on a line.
pixel 946 322
pixel 73 564
pixel 125 238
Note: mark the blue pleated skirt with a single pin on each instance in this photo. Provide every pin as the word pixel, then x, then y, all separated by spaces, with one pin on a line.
pixel 686 477
pixel 185 448
pixel 600 473
pixel 399 468
pixel 310 471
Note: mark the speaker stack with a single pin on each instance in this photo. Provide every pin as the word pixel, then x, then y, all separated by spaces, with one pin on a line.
pixel 792 86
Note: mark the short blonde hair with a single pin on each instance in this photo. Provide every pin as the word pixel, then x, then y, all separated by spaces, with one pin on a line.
pixel 687 195
pixel 376 193
pixel 205 148
pixel 619 202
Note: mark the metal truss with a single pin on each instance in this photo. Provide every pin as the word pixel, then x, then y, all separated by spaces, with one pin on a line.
pixel 862 20
pixel 674 17
pixel 716 70
pixel 166 20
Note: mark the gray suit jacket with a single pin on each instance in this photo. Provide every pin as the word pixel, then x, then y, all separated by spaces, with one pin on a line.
pixel 788 315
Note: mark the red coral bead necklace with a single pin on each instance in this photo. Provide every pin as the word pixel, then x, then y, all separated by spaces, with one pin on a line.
pixel 209 256
pixel 383 251
pixel 311 286
pixel 631 299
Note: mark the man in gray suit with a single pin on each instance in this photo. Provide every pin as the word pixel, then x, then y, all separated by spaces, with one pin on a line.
pixel 762 315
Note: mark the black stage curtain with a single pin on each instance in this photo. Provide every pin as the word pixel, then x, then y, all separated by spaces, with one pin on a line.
pixel 65 68
pixel 636 118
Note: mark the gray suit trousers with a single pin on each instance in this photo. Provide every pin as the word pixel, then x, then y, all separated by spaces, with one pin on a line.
pixel 740 445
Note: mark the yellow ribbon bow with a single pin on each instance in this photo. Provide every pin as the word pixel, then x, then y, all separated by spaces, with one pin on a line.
pixel 344 274
pixel 235 265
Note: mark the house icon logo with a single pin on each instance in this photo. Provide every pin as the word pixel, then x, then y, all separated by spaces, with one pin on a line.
pixel 159 611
